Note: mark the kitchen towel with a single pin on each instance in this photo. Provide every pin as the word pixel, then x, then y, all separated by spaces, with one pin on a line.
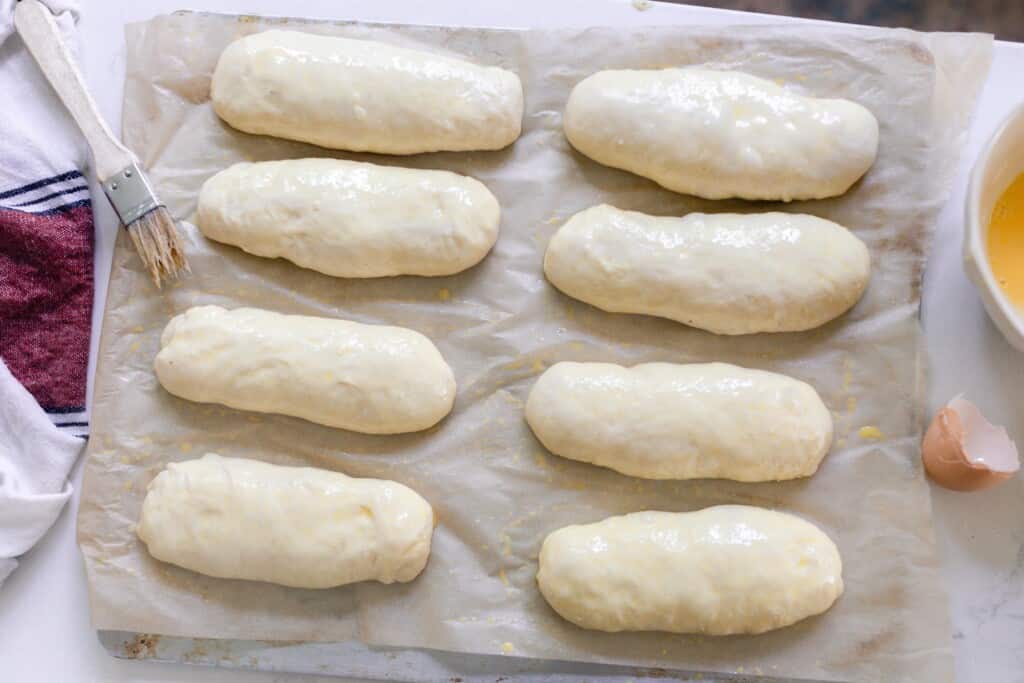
pixel 46 292
pixel 46 232
pixel 35 458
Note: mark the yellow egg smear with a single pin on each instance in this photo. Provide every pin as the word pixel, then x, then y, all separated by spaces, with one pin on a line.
pixel 1006 241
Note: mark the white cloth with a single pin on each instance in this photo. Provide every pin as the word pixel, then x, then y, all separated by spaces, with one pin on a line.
pixel 35 458
pixel 36 136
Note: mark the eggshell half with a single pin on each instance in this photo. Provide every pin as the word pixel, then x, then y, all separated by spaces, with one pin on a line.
pixel 963 451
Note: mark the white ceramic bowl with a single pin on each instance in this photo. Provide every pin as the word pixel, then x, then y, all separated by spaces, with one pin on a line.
pixel 1000 162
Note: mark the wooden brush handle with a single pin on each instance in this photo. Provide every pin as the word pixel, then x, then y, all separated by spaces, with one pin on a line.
pixel 41 35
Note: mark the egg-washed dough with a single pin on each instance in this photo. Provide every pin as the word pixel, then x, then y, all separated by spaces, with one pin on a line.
pixel 364 96
pixel 367 378
pixel 719 134
pixel 351 219
pixel 303 527
pixel 722 570
pixel 726 273
pixel 671 421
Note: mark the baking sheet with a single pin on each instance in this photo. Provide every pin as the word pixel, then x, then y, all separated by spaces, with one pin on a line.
pixel 496 491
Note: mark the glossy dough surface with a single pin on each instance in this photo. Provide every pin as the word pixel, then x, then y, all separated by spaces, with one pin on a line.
pixel 351 219
pixel 296 526
pixel 671 421
pixel 367 378
pixel 722 570
pixel 364 96
pixel 719 134
pixel 726 273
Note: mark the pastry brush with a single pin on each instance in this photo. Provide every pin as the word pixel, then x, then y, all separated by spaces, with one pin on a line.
pixel 149 223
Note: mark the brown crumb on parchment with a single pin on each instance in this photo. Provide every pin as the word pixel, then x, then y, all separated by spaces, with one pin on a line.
pixel 142 646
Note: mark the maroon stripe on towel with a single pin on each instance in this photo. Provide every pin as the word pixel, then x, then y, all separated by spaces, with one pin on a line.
pixel 46 292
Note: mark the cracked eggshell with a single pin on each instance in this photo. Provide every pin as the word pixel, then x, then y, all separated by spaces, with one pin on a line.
pixel 963 451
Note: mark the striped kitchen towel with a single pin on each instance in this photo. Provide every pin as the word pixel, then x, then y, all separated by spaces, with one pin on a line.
pixel 46 235
pixel 46 289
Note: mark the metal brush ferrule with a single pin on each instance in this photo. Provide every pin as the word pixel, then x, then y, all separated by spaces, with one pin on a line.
pixel 130 194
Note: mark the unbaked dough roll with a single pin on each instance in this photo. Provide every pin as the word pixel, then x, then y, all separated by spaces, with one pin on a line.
pixel 719 571
pixel 719 134
pixel 367 378
pixel 726 273
pixel 236 518
pixel 351 219
pixel 364 96
pixel 669 421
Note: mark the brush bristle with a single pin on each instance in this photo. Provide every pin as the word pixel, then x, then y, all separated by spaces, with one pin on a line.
pixel 156 238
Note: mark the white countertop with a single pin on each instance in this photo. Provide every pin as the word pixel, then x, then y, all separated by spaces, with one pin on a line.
pixel 44 616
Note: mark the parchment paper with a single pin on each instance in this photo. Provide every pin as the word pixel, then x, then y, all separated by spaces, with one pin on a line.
pixel 496 491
